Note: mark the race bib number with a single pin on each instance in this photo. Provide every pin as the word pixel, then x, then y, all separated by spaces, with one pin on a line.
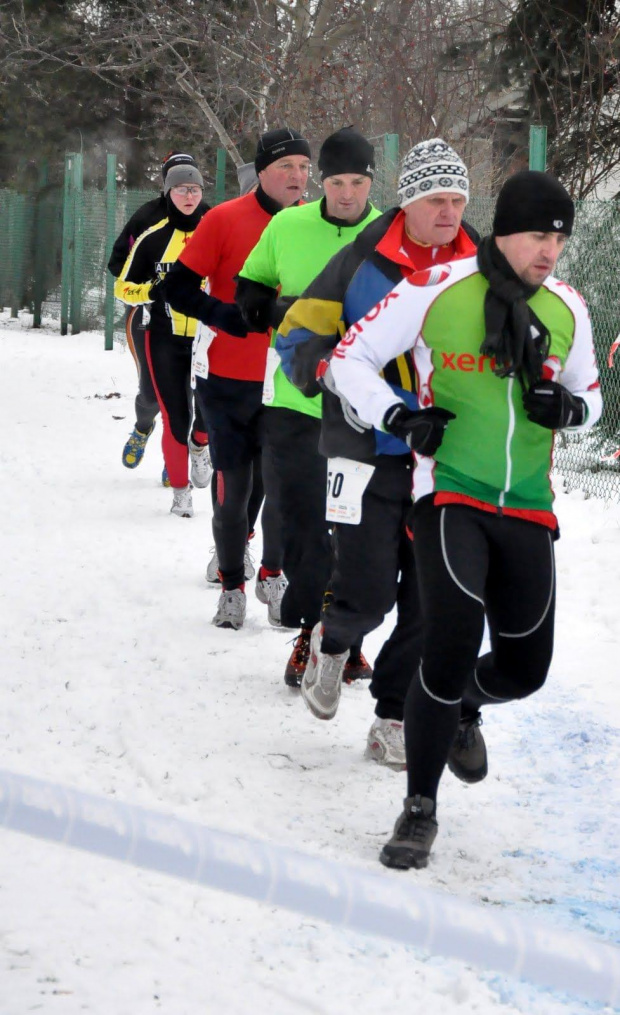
pixel 269 388
pixel 200 352
pixel 346 482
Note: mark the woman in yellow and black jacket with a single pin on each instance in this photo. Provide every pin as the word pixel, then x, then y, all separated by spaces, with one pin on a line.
pixel 169 335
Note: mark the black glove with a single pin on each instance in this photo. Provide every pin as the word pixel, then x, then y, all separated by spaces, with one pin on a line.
pixel 552 405
pixel 305 362
pixel 258 318
pixel 257 303
pixel 225 316
pixel 422 431
pixel 156 292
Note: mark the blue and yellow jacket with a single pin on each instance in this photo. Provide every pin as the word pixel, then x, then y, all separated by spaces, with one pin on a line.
pixel 354 282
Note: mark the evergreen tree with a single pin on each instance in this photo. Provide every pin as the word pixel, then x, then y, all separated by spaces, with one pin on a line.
pixel 561 54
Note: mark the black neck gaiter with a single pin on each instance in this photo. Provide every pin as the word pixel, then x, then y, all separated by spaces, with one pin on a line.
pixel 185 223
pixel 515 338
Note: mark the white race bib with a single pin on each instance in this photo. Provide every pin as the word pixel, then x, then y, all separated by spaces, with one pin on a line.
pixel 200 352
pixel 273 362
pixel 346 482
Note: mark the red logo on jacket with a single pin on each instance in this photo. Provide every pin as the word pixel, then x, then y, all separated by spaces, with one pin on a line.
pixel 430 276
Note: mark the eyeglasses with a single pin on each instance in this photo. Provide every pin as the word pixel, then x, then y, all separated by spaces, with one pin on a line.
pixel 187 191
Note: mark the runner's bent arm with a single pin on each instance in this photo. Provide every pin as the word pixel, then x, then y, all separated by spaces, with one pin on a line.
pixel 183 284
pixel 387 331
pixel 580 374
pixel 314 325
pixel 133 285
pixel 257 285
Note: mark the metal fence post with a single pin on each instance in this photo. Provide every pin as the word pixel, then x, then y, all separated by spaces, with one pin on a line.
pixel 538 148
pixel 41 252
pixel 109 243
pixel 67 245
pixel 220 176
pixel 78 245
pixel 390 176
pixel 15 242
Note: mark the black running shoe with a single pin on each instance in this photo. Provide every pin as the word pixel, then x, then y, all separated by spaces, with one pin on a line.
pixel 356 667
pixel 467 759
pixel 296 666
pixel 414 834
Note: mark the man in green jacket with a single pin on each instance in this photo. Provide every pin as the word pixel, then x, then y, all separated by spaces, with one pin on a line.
pixel 294 248
pixel 504 356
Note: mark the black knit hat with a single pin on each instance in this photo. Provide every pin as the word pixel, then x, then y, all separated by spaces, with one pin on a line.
pixel 346 151
pixel 535 202
pixel 175 159
pixel 275 144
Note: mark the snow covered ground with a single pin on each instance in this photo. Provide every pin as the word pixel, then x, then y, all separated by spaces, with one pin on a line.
pixel 115 682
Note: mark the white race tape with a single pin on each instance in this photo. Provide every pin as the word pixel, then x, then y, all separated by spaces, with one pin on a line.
pixel 379 904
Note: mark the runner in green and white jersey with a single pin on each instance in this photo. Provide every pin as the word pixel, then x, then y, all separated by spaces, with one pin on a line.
pixel 504 357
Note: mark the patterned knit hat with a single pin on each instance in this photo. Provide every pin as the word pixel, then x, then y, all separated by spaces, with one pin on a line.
pixel 432 167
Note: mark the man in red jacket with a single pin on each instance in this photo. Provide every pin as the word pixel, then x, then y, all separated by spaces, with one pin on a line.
pixel 230 388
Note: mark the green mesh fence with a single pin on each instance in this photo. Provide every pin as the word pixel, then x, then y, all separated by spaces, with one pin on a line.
pixel 31 276
pixel 17 216
pixel 31 258
pixel 48 255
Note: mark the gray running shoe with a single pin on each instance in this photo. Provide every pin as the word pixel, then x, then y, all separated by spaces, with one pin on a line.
pixel 270 591
pixel 467 759
pixel 386 744
pixel 230 609
pixel 414 835
pixel 248 564
pixel 182 501
pixel 213 577
pixel 322 680
pixel 201 468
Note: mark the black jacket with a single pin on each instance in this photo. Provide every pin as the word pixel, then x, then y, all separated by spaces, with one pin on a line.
pixel 147 215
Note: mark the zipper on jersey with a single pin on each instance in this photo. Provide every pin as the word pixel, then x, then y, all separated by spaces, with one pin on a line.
pixel 509 437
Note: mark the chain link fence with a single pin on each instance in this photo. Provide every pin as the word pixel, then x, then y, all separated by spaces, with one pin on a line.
pixel 57 241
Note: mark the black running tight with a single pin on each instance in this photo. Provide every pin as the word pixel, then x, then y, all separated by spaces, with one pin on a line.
pixel 237 496
pixel 470 562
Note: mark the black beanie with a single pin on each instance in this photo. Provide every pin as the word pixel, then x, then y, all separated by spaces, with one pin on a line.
pixel 535 202
pixel 275 144
pixel 346 151
pixel 175 159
